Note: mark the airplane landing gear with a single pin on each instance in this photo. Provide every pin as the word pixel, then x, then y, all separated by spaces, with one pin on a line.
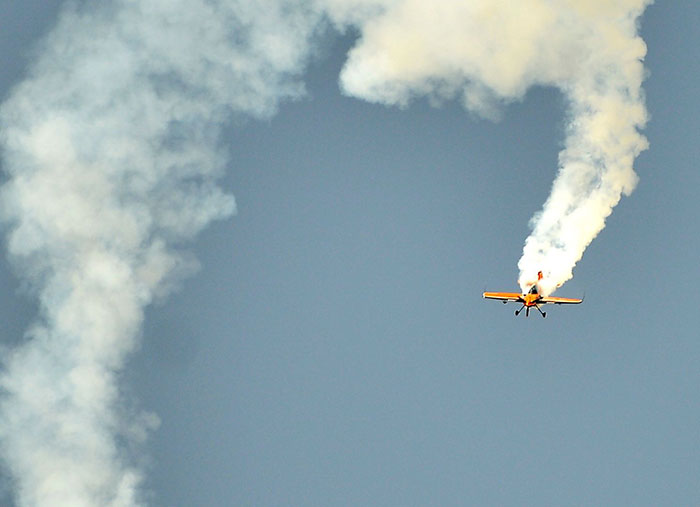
pixel 527 311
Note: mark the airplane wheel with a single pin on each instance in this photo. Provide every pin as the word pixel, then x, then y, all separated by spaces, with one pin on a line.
pixel 544 315
pixel 517 313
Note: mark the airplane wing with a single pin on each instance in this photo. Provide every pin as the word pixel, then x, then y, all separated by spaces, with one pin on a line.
pixel 559 301
pixel 503 296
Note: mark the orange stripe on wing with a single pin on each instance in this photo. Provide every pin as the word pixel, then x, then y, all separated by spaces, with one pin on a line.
pixel 502 295
pixel 561 301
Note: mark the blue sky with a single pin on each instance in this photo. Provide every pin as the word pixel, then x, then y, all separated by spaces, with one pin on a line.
pixel 334 348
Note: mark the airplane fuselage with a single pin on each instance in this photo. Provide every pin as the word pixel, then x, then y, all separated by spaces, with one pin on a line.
pixel 531 299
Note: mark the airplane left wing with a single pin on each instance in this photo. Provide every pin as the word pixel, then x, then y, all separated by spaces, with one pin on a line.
pixel 560 301
pixel 503 296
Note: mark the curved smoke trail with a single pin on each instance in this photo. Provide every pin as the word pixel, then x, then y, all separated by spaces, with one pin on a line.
pixel 111 152
pixel 110 147
pixel 488 52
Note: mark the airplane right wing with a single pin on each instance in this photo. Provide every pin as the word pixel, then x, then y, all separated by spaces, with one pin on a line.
pixel 560 301
pixel 503 296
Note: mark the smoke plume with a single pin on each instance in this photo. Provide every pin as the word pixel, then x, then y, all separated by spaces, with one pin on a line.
pixel 111 153
pixel 487 52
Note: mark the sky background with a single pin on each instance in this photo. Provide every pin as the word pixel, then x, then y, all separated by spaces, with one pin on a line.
pixel 334 348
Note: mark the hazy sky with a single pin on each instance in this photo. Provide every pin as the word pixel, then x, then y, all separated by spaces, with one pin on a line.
pixel 334 348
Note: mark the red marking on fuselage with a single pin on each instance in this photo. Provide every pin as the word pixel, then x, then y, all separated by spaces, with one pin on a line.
pixel 531 299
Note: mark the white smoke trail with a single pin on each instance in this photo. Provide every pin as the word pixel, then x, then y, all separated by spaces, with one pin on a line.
pixel 111 153
pixel 110 150
pixel 491 51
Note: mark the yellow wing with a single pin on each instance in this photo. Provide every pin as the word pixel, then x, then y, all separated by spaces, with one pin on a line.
pixel 503 296
pixel 559 301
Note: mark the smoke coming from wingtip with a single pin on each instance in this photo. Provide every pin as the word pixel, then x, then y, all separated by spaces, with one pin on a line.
pixel 487 52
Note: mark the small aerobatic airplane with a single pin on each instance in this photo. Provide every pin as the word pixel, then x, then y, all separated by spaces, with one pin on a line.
pixel 532 298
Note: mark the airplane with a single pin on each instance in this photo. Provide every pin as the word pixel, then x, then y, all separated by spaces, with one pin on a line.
pixel 531 299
